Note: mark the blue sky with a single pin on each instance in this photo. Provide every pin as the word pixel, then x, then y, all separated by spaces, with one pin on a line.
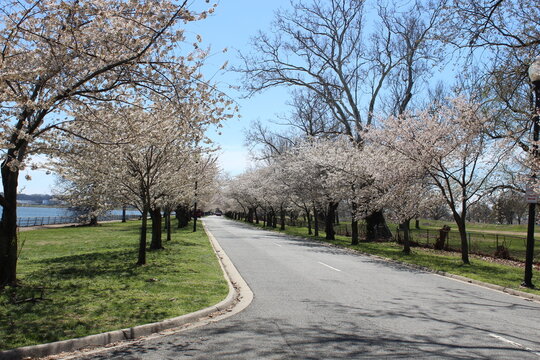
pixel 231 26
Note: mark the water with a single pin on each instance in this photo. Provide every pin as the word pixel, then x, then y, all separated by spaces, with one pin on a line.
pixel 38 211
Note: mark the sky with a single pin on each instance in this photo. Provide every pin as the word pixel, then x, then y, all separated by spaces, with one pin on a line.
pixel 231 26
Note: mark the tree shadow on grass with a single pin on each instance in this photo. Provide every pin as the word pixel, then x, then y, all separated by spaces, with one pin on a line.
pixel 87 265
pixel 190 243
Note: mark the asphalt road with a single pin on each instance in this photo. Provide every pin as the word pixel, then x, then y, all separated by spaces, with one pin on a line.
pixel 317 302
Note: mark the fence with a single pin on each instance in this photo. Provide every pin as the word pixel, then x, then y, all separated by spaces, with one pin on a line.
pixel 52 220
pixel 343 229
pixel 493 245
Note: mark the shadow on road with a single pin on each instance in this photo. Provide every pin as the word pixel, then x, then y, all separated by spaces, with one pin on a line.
pixel 365 320
pixel 275 337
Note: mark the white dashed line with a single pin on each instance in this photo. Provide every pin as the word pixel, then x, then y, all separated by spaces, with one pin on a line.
pixel 278 245
pixel 328 266
pixel 513 343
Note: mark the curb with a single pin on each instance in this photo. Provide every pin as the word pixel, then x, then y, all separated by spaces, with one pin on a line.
pixel 510 291
pixel 239 297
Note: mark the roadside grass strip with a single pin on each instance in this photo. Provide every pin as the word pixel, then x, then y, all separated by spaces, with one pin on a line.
pixel 80 281
pixel 449 262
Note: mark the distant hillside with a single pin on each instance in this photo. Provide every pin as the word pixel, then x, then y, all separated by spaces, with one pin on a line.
pixel 34 197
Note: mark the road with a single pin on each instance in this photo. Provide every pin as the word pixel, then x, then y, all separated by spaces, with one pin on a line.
pixel 317 302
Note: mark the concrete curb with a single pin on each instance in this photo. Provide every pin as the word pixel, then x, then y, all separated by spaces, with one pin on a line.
pixel 503 289
pixel 464 279
pixel 239 294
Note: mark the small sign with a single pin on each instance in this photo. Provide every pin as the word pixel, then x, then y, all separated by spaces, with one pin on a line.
pixel 530 195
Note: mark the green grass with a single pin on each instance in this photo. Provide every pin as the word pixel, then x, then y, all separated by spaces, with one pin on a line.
pixel 92 284
pixel 481 270
pixel 477 227
pixel 471 226
pixel 480 243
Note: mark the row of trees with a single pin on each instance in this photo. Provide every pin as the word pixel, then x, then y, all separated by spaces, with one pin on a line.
pixel 371 127
pixel 113 92
pixel 507 207
pixel 150 158
pixel 407 166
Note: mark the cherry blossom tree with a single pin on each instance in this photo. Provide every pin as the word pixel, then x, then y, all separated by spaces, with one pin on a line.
pixel 84 197
pixel 305 184
pixel 245 195
pixel 148 154
pixel 55 55
pixel 403 189
pixel 450 144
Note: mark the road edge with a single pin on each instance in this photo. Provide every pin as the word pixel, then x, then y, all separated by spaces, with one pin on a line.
pixel 238 298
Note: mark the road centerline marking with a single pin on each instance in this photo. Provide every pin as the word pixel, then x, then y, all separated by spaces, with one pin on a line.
pixel 328 266
pixel 513 343
pixel 277 244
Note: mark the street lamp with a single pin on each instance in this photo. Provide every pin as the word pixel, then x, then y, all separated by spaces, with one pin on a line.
pixel 534 76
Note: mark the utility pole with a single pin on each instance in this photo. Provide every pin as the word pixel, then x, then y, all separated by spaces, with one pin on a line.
pixel 534 75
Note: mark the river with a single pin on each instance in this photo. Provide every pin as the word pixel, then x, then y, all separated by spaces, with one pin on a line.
pixel 42 211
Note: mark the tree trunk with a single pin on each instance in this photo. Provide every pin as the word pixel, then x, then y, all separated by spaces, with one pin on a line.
pixel 256 216
pixel 142 238
pixel 8 228
pixel 308 217
pixel 460 221
pixel 282 218
pixel 168 225
pixel 182 215
pixel 406 225
pixel 329 221
pixel 316 221
pixel 417 223
pixel 195 213
pixel 124 214
pixel 156 243
pixel 355 239
pixel 354 224
pixel 93 221
pixel 376 228
pixel 250 216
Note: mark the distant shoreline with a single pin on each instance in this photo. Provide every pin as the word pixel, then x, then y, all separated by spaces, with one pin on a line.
pixel 42 206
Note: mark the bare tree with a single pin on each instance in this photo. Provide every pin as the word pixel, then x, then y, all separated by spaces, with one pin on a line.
pixel 502 38
pixel 310 116
pixel 323 47
pixel 318 47
pixel 269 143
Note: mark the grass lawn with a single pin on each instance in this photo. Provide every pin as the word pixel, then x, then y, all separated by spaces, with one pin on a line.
pixel 92 284
pixel 477 227
pixel 486 271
